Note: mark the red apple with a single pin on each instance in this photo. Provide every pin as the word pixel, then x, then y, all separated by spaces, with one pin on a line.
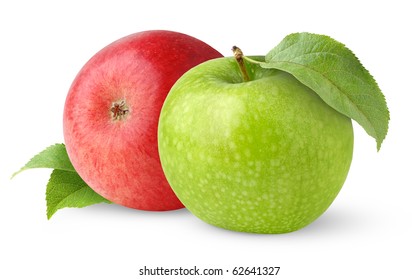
pixel 112 111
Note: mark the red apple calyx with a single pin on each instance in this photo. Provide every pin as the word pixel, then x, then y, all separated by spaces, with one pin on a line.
pixel 119 109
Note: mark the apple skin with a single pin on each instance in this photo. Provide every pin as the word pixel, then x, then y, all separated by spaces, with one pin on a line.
pixel 112 110
pixel 264 156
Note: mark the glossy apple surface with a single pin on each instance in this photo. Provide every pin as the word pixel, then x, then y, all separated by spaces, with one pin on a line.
pixel 112 110
pixel 264 156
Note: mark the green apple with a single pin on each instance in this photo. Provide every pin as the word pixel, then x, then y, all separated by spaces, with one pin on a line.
pixel 265 155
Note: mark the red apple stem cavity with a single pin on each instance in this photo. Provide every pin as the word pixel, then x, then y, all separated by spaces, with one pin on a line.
pixel 119 109
pixel 238 55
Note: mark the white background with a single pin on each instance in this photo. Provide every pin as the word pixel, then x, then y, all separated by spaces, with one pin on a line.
pixel 369 232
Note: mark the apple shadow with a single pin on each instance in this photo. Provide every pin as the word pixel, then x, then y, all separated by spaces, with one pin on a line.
pixel 335 221
pixel 119 210
pixel 332 222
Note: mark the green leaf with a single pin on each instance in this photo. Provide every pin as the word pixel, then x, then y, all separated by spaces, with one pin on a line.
pixel 67 189
pixel 336 75
pixel 54 156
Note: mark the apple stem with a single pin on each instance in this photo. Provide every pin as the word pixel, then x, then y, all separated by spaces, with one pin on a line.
pixel 238 55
